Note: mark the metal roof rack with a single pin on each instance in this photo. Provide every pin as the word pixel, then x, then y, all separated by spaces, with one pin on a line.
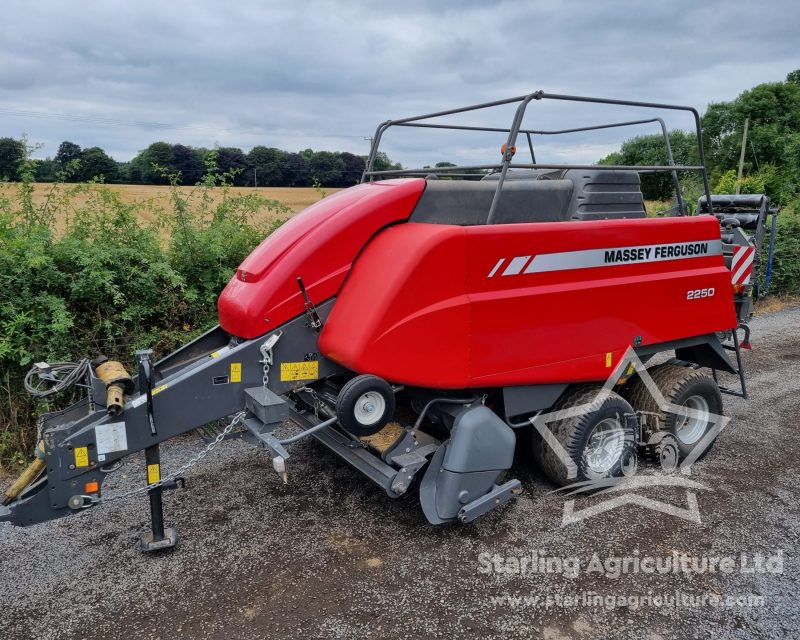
pixel 516 129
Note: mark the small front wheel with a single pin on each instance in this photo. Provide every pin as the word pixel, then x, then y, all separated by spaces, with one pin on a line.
pixel 365 404
pixel 667 453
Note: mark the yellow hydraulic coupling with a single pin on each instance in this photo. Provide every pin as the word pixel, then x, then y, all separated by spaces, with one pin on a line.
pixel 118 383
pixel 29 475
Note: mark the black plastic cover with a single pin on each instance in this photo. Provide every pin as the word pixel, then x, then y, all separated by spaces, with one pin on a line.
pixel 533 196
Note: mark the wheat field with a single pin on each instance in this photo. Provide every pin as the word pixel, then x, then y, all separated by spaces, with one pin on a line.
pixel 158 196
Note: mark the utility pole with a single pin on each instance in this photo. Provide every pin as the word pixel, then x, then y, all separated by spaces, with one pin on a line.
pixel 741 156
pixel 367 165
pixel 255 176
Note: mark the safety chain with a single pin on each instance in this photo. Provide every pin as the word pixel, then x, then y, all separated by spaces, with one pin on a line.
pixel 266 355
pixel 314 397
pixel 237 419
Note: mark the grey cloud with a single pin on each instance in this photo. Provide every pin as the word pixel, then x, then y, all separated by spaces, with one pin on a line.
pixel 323 74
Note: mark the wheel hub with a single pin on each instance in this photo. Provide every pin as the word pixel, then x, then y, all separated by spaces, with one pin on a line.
pixel 369 408
pixel 690 428
pixel 604 446
pixel 668 455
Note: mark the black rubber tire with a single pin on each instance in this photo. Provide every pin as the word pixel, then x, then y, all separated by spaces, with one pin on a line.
pixel 677 383
pixel 349 396
pixel 667 454
pixel 573 433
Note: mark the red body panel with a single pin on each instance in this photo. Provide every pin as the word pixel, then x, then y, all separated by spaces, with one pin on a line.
pixel 318 245
pixel 428 305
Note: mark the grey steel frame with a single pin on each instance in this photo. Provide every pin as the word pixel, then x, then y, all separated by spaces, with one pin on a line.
pixel 516 128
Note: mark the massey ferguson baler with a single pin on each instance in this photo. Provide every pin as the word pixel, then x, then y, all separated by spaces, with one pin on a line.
pixel 415 322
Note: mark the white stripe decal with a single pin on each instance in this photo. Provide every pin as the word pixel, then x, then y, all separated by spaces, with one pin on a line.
pixel 746 264
pixel 738 254
pixel 496 267
pixel 516 265
pixel 612 257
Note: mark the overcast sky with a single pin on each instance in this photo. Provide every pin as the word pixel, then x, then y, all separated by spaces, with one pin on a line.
pixel 122 74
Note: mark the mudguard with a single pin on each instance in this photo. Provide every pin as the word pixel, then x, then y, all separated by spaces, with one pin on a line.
pixel 468 465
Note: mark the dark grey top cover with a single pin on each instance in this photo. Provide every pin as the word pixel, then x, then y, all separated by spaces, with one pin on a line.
pixel 534 196
pixel 605 195
pixel 463 202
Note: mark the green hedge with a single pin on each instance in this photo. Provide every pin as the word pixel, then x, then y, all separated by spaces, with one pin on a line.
pixel 786 265
pixel 82 275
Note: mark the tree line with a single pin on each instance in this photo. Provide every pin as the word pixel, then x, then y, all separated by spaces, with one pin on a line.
pixel 772 151
pixel 772 154
pixel 160 162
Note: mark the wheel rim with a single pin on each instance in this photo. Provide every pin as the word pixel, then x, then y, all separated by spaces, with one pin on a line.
pixel 690 428
pixel 369 408
pixel 668 457
pixel 629 462
pixel 605 446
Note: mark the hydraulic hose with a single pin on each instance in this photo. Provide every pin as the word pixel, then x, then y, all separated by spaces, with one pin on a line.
pixel 62 375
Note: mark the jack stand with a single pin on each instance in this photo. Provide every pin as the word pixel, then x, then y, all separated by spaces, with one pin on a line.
pixel 158 537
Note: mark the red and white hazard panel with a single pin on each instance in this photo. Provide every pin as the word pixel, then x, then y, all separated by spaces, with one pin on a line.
pixel 742 264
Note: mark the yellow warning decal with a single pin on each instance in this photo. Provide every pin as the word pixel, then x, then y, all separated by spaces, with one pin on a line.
pixel 631 368
pixel 299 370
pixel 158 389
pixel 81 456
pixel 236 371
pixel 153 473
pixel 608 359
pixel 215 354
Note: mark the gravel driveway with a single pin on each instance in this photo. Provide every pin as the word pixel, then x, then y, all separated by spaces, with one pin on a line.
pixel 330 556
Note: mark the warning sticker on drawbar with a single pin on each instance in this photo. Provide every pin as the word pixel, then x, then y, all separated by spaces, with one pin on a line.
pixel 111 437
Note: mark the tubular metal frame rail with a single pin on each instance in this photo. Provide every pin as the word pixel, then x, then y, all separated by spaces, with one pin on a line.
pixel 516 129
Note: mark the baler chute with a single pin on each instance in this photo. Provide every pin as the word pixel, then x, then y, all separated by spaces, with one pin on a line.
pixel 413 325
